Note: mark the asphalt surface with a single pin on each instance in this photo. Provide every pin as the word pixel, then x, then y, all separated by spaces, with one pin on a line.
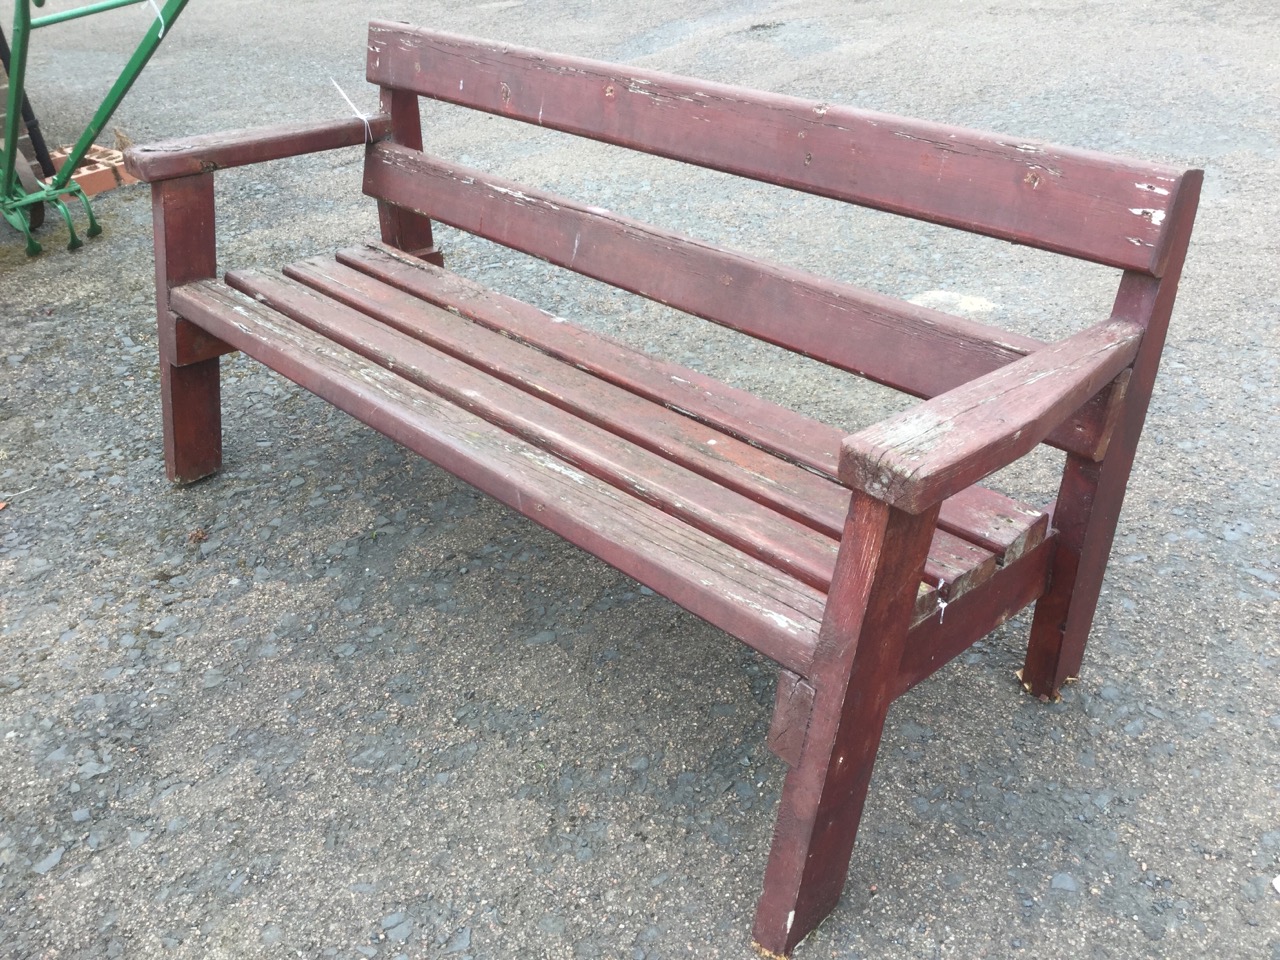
pixel 333 703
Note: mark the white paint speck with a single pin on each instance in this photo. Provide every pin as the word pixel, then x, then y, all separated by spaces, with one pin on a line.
pixel 791 918
pixel 962 303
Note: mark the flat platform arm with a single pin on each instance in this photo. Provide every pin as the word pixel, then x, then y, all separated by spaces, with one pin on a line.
pixel 922 456
pixel 237 148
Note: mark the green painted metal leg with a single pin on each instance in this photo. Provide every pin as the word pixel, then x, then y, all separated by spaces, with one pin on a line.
pixel 12 197
pixel 94 227
pixel 76 243
pixel 16 220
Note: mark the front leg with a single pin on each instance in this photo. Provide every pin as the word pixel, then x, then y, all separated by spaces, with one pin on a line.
pixel 183 213
pixel 882 555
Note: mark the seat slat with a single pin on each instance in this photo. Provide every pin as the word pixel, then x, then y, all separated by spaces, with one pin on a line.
pixel 1075 202
pixel 737 520
pixel 995 522
pixel 792 490
pixel 954 565
pixel 756 421
pixel 983 517
pixel 771 611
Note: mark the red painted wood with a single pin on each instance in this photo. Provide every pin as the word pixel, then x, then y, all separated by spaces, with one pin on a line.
pixel 921 351
pixel 919 457
pixel 768 610
pixel 956 566
pixel 759 422
pixel 1091 495
pixel 1072 201
pixel 994 522
pixel 935 640
pixel 191 411
pixel 855 676
pixel 792 706
pixel 236 148
pixel 755 529
pixel 795 492
pixel 401 228
pixel 609 448
pixel 792 490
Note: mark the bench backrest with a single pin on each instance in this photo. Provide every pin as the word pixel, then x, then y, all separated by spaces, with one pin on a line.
pixel 1086 205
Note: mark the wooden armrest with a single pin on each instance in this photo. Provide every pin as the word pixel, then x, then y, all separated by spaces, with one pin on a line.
pixel 920 457
pixel 236 148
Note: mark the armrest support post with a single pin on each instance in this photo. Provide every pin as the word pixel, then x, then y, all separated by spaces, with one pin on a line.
pixel 186 250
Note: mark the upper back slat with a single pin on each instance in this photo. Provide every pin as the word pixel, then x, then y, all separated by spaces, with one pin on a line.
pixel 1082 204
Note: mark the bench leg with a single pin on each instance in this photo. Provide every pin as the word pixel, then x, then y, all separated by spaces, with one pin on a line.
pixel 191 404
pixel 1091 494
pixel 1085 518
pixel 183 213
pixel 855 678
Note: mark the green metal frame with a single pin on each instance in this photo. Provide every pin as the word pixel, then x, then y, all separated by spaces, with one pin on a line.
pixel 13 198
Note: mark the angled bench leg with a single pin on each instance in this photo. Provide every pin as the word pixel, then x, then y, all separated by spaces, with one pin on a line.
pixel 182 210
pixel 881 558
pixel 404 229
pixel 1091 494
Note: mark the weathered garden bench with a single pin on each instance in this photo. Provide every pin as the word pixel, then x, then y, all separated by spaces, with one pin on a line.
pixel 860 564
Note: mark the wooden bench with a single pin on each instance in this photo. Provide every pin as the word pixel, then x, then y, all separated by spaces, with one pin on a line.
pixel 860 564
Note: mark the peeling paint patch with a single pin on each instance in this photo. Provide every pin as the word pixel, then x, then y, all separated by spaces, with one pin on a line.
pixel 961 303
pixel 1152 188
pixel 1147 213
pixel 551 463
pixel 521 197
pixel 779 620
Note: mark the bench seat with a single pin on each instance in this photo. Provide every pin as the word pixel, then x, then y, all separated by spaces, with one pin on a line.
pixel 723 502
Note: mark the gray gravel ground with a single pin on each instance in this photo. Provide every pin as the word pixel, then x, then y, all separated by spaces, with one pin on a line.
pixel 333 703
